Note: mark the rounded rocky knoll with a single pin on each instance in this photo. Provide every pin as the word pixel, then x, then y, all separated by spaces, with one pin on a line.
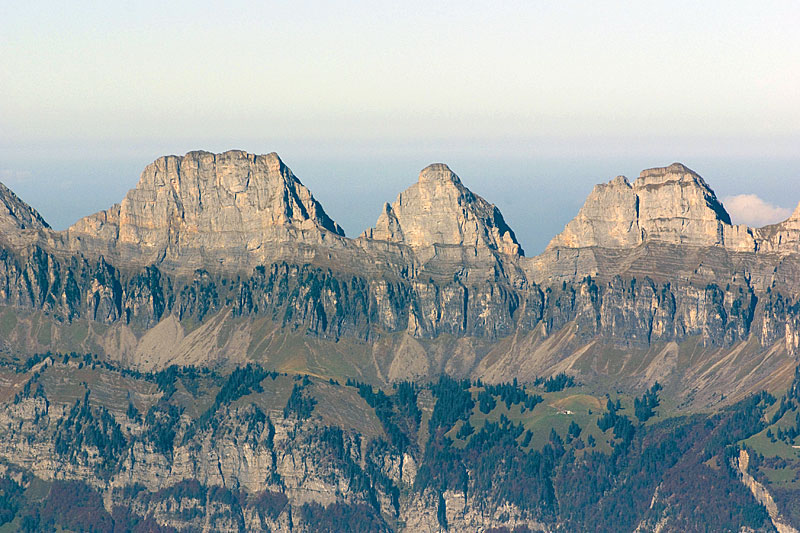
pixel 439 209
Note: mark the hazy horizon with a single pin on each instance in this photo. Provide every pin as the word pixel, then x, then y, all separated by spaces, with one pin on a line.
pixel 530 103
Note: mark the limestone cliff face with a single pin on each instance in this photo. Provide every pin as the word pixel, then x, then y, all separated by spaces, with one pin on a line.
pixel 672 205
pixel 761 493
pixel 781 238
pixel 220 260
pixel 204 207
pixel 233 242
pixel 438 209
pixel 19 222
pixel 271 462
pixel 387 330
pixel 14 213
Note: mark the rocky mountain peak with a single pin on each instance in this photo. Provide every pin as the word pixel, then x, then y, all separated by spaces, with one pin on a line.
pixel 16 214
pixel 795 214
pixel 686 193
pixel 203 202
pixel 438 172
pixel 620 181
pixel 673 171
pixel 439 209
pixel 209 185
pixel 675 174
pixel 783 237
pixel 666 204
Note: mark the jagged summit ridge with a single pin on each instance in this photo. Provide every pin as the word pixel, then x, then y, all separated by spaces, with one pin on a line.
pixel 20 224
pixel 16 214
pixel 781 237
pixel 439 209
pixel 204 202
pixel 666 204
pixel 235 210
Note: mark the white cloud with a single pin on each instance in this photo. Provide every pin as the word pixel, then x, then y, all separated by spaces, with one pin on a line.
pixel 751 210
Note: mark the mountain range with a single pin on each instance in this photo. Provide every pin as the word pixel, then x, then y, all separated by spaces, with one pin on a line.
pixel 227 261
pixel 223 258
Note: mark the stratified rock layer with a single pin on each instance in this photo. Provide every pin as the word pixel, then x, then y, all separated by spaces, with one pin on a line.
pixel 780 238
pixel 222 260
pixel 218 259
pixel 16 214
pixel 205 208
pixel 438 209
pixel 671 205
pixel 19 223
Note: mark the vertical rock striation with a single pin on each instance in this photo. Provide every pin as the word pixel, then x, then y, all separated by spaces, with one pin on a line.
pixel 781 238
pixel 671 205
pixel 14 213
pixel 206 208
pixel 19 223
pixel 439 209
pixel 236 243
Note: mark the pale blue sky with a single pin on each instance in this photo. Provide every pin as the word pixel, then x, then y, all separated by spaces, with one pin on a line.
pixel 530 102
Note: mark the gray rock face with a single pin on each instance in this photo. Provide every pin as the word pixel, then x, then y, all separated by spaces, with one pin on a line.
pixel 233 242
pixel 207 208
pixel 438 209
pixel 14 213
pixel 19 222
pixel 219 260
pixel 671 205
pixel 780 238
pixel 245 451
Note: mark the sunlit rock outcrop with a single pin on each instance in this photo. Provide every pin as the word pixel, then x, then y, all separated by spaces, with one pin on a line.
pixel 671 205
pixel 439 209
